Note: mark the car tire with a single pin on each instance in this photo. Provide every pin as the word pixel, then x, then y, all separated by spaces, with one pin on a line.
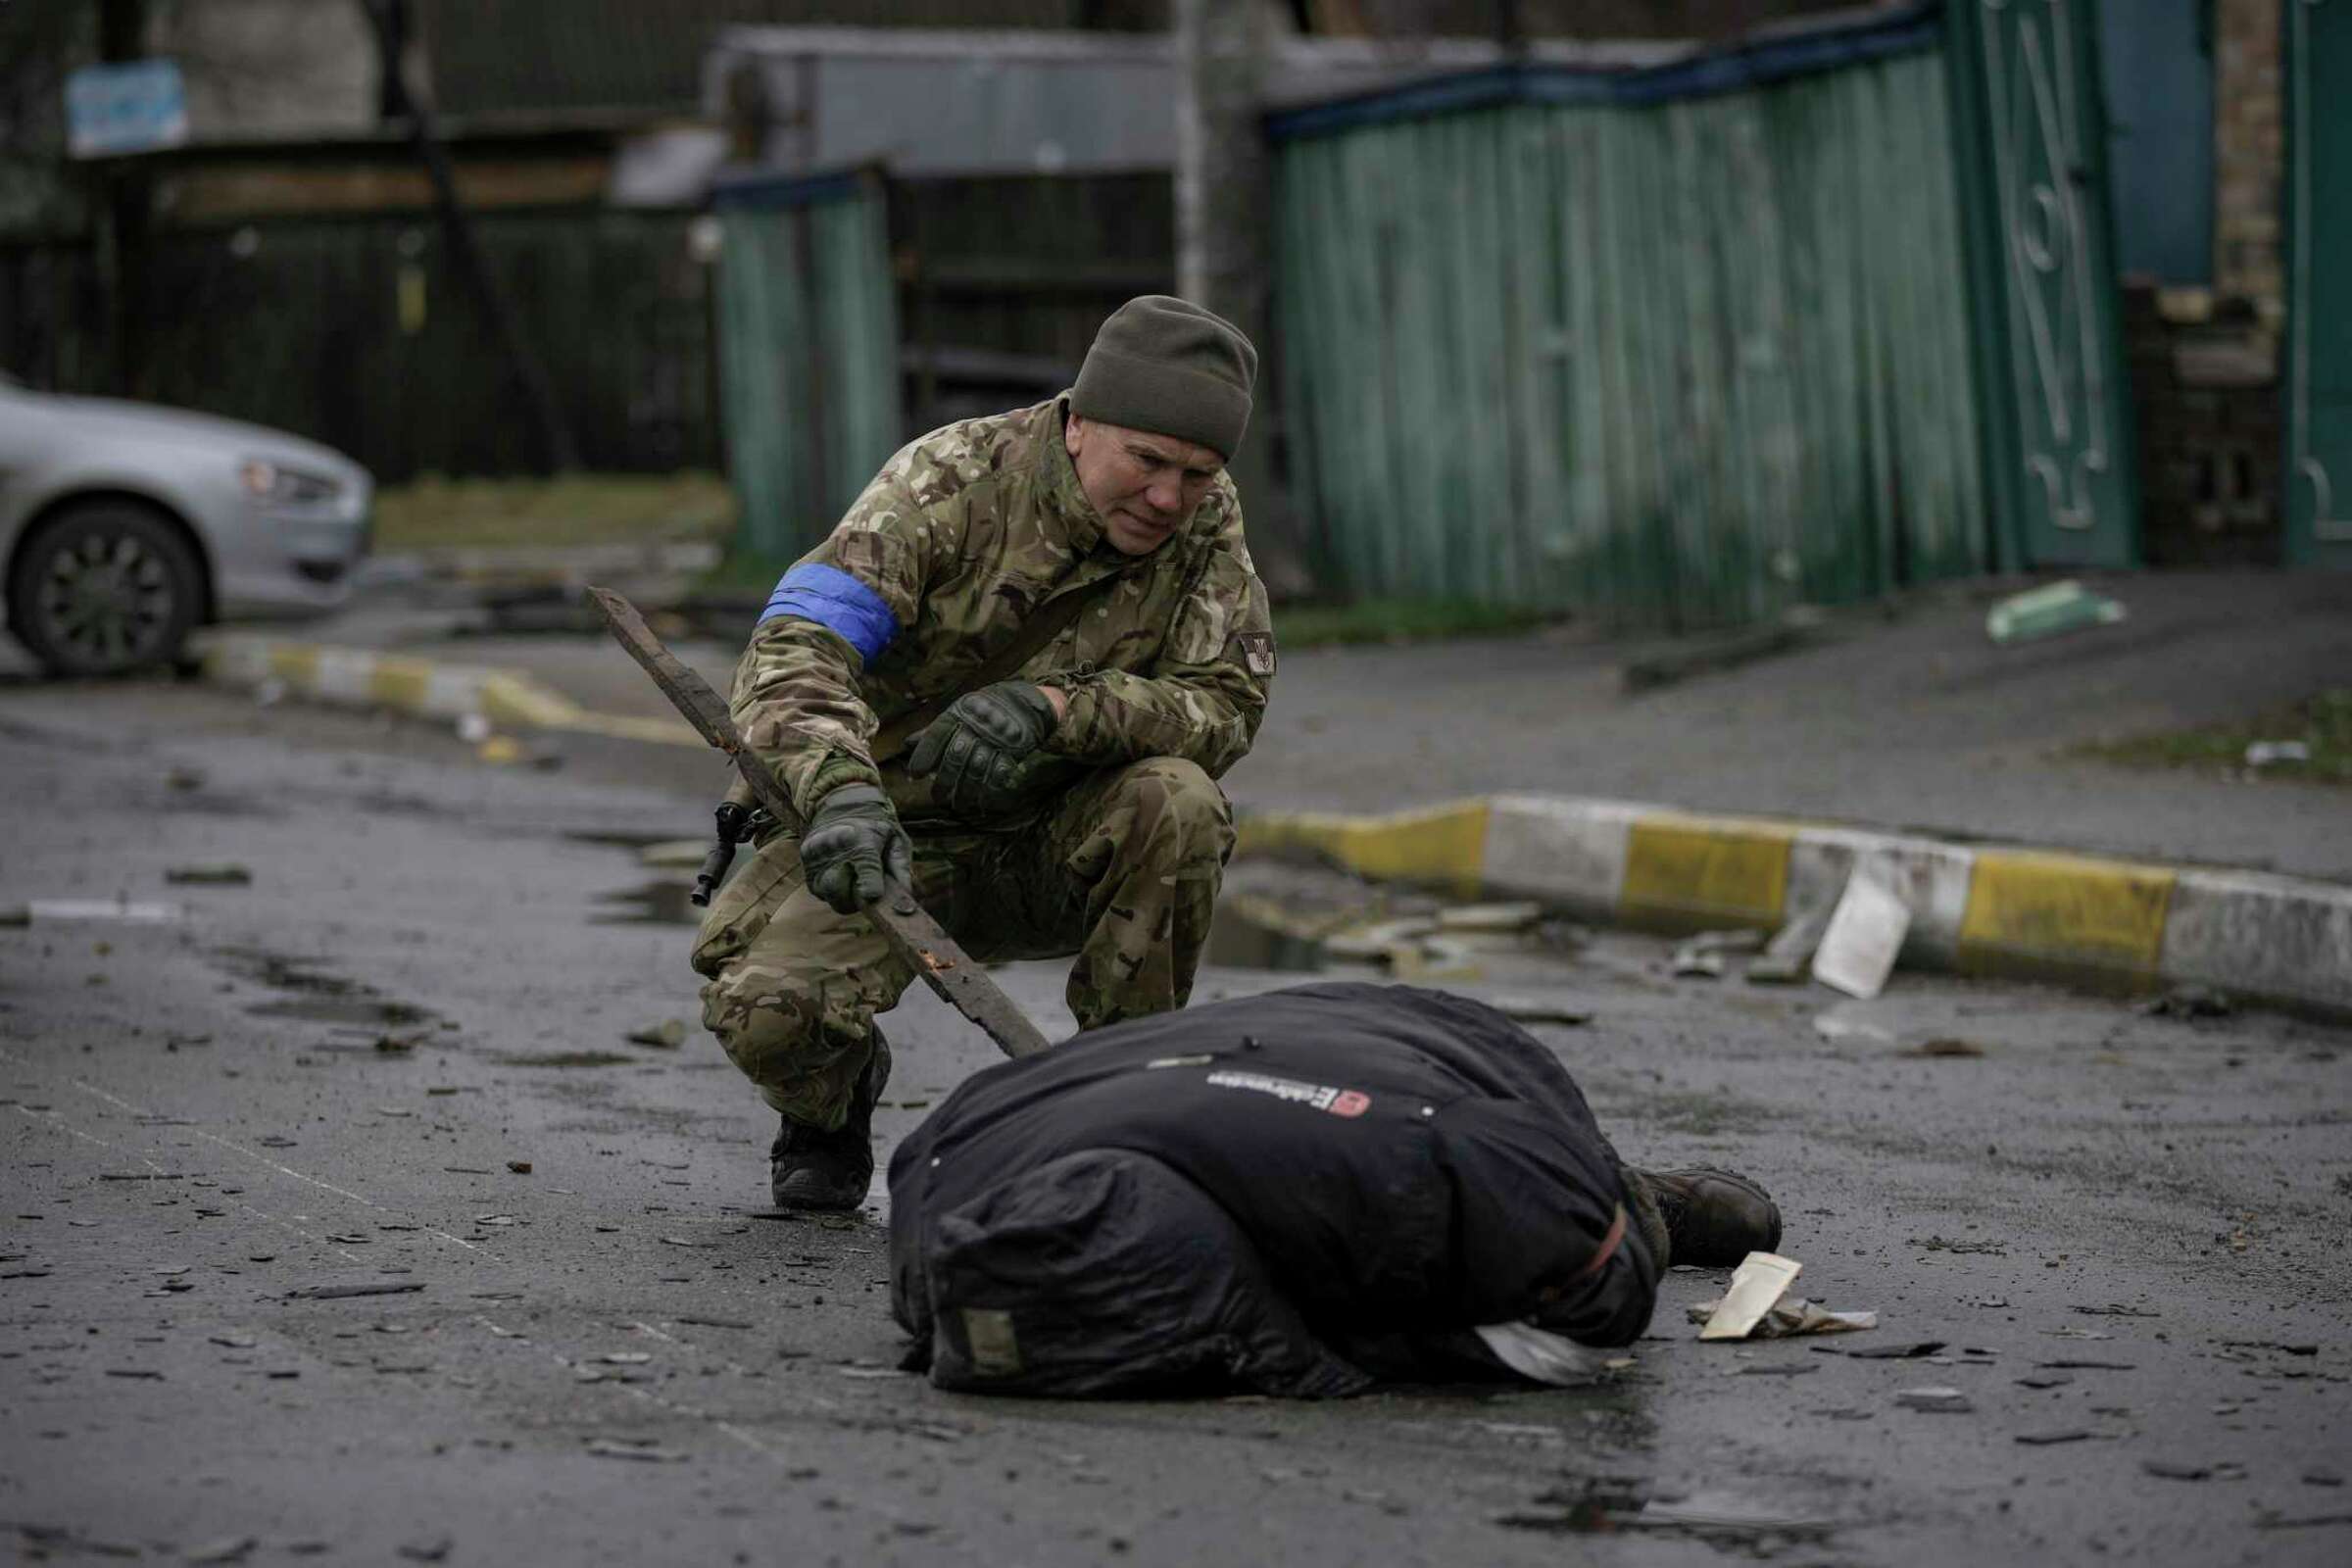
pixel 104 587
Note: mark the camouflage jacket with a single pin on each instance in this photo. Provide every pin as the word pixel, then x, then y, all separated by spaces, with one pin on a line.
pixel 961 535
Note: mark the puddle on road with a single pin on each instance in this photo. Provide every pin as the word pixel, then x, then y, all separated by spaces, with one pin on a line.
pixel 358 1013
pixel 1607 1504
pixel 568 1058
pixel 317 995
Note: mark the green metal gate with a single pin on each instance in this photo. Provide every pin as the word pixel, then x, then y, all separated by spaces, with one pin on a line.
pixel 2319 304
pixel 1682 345
pixel 2057 427
pixel 809 352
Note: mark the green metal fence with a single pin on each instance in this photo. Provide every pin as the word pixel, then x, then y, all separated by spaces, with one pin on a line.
pixel 1685 361
pixel 809 353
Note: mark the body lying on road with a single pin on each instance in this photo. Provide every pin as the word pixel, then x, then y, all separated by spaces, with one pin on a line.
pixel 1298 1192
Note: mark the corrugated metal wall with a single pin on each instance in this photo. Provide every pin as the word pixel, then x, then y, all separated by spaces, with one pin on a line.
pixel 809 353
pixel 1687 362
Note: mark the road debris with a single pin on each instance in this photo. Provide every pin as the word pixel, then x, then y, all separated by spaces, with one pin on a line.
pixel 1435 958
pixel 2043 1439
pixel 2048 610
pixel 2175 1470
pixel 2266 753
pixel 335 1293
pixel 1702 957
pixel 1937 1398
pixel 234 1549
pixel 1503 918
pixel 429 1548
pixel 1376 940
pixel 1788 958
pixel 668 1035
pixel 1946 1045
pixel 2044 1380
pixel 226 876
pixel 1897 1353
pixel 1939 1244
pixel 124 912
pixel 521 1167
pixel 1865 934
pixel 642 1449
pixel 1761 1279
pixel 1792 1316
pixel 2187 1002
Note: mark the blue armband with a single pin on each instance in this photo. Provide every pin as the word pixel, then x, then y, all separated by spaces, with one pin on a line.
pixel 839 603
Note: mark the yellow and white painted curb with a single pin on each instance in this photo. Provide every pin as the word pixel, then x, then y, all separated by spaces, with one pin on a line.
pixel 422 688
pixel 1982 910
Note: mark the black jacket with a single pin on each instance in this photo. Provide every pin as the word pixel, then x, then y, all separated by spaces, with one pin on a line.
pixel 1287 1192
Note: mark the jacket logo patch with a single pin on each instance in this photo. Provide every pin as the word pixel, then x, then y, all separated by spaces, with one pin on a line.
pixel 1320 1096
pixel 996 1348
pixel 1257 650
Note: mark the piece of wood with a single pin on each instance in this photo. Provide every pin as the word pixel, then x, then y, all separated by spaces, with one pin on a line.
pixel 918 939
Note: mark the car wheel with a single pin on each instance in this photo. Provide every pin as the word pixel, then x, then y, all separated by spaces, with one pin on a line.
pixel 104 587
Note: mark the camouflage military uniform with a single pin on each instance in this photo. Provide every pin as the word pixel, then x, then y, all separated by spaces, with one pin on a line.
pixel 962 535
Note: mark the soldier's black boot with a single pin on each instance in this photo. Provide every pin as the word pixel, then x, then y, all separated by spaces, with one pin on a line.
pixel 810 1168
pixel 1710 1218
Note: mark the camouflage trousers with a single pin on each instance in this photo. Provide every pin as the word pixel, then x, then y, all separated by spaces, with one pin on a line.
pixel 1122 871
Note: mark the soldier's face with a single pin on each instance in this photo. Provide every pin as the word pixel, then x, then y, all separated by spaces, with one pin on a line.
pixel 1143 486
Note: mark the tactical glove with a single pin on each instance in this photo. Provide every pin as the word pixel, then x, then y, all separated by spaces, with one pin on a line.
pixel 983 749
pixel 853 841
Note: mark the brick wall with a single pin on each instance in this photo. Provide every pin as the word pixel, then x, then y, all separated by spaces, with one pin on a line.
pixel 2249 145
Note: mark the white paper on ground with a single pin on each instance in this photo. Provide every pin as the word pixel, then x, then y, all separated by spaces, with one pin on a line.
pixel 101 909
pixel 1540 1355
pixel 1857 952
pixel 1761 1279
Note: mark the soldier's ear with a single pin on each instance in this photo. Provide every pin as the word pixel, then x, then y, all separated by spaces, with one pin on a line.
pixel 1073 432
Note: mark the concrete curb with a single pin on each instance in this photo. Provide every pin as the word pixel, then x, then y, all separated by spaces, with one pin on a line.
pixel 422 688
pixel 2000 910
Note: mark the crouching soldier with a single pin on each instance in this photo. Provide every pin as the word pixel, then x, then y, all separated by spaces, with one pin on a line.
pixel 1295 1194
pixel 1012 675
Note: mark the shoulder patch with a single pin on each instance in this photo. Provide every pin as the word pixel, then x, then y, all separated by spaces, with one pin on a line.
pixel 1257 650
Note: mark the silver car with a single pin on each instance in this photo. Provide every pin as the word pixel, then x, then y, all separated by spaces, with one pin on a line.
pixel 125 526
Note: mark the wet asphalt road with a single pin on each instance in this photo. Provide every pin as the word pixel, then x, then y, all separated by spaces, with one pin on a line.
pixel 618 1358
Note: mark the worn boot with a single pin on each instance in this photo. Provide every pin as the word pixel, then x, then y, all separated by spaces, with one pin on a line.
pixel 1710 1218
pixel 809 1167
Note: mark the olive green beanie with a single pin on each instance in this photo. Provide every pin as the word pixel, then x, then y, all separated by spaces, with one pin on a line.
pixel 1171 368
